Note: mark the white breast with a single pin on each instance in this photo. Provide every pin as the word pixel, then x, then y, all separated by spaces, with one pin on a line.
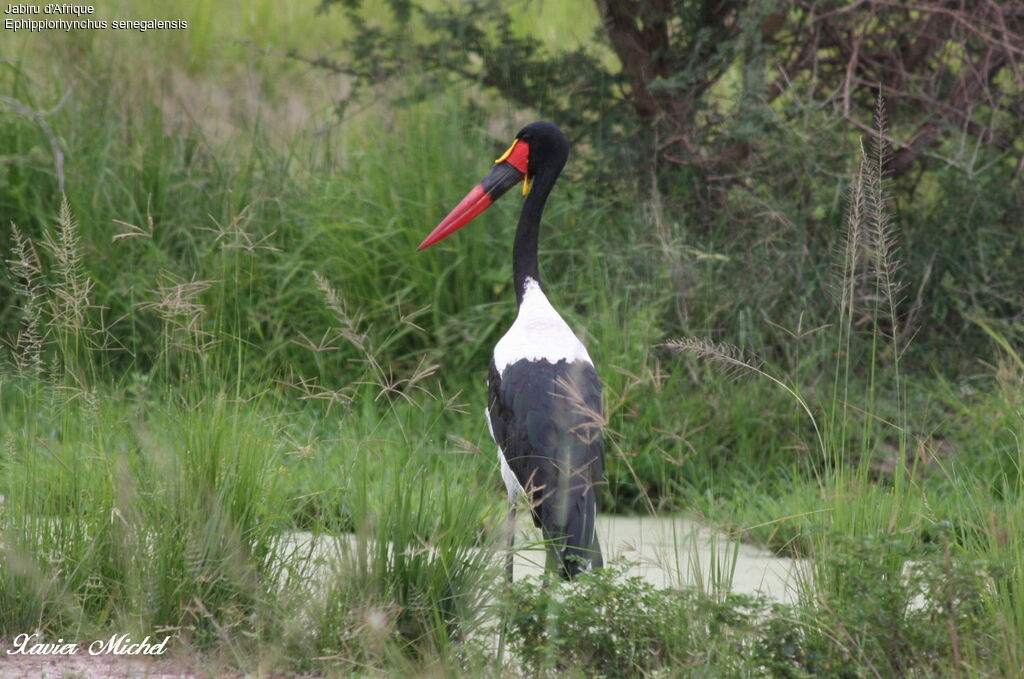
pixel 538 333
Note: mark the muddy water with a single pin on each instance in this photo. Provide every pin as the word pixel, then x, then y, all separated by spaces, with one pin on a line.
pixel 665 551
pixel 677 552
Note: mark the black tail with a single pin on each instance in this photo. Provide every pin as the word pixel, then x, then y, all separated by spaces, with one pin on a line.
pixel 575 548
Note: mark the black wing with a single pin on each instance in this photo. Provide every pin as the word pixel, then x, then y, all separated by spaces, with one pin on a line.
pixel 546 418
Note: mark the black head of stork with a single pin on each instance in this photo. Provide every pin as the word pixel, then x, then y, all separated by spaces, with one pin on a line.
pixel 544 406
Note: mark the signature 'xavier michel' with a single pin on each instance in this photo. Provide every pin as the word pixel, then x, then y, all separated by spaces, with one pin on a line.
pixel 544 404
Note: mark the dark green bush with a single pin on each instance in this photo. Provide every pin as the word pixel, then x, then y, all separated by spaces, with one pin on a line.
pixel 886 612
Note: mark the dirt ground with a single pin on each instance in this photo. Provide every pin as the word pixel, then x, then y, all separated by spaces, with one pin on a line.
pixel 87 666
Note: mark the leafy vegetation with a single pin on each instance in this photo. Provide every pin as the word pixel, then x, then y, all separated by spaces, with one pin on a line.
pixel 610 625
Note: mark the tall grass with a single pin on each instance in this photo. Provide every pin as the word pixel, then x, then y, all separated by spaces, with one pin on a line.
pixel 163 501
pixel 882 551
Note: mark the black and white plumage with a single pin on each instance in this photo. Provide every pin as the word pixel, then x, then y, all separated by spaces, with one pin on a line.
pixel 544 412
pixel 544 397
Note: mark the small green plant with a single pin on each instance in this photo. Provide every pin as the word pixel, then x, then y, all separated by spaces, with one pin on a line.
pixel 924 618
pixel 607 625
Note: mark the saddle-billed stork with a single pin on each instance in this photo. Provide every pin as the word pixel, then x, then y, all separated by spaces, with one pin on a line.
pixel 544 396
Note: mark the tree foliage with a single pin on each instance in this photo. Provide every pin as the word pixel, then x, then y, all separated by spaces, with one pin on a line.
pixel 697 83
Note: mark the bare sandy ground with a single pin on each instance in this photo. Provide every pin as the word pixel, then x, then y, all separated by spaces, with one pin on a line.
pixel 100 667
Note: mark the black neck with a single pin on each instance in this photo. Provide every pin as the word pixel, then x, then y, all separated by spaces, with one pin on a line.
pixel 524 251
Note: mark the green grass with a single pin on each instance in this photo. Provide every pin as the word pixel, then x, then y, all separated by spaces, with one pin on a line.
pixel 230 338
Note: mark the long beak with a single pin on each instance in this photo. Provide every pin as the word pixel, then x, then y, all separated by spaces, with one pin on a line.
pixel 501 178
